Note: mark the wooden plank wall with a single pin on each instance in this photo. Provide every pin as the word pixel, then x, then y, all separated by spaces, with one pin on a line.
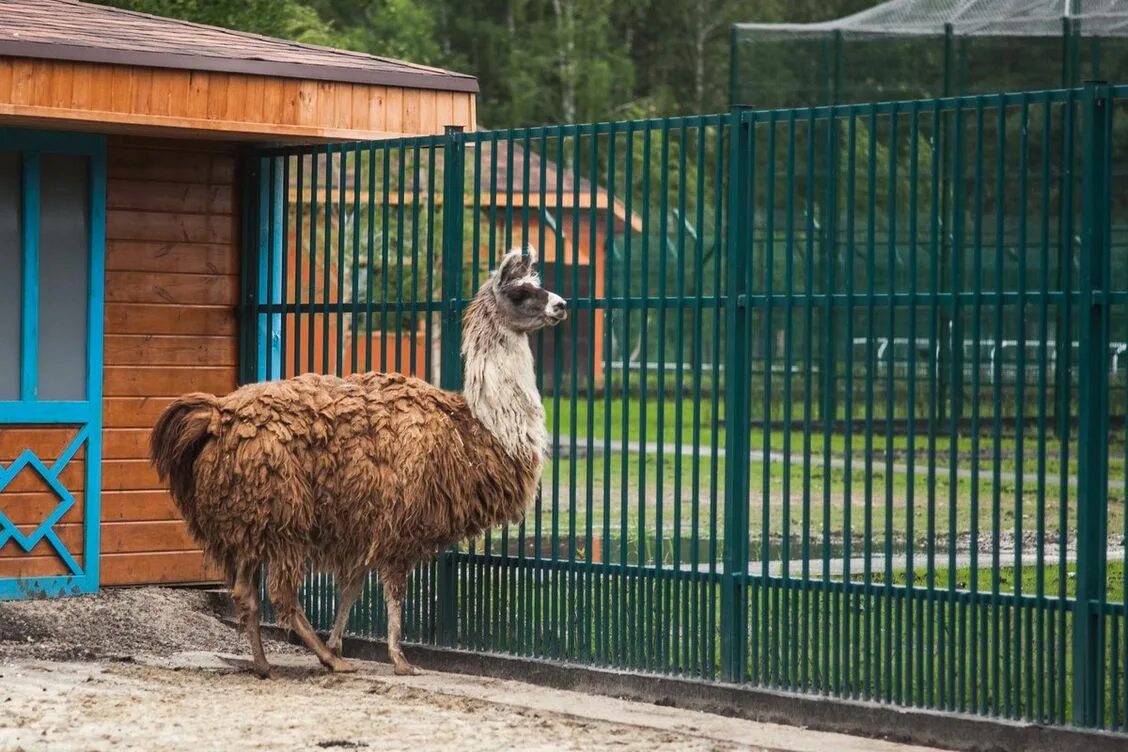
pixel 228 105
pixel 172 284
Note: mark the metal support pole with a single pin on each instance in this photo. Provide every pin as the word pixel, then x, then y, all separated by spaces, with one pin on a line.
pixel 1092 444
pixel 734 592
pixel 450 365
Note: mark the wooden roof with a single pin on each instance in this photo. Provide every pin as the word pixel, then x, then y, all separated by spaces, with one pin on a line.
pixel 80 32
pixel 71 65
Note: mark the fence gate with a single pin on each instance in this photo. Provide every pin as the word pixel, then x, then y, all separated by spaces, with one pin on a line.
pixel 795 440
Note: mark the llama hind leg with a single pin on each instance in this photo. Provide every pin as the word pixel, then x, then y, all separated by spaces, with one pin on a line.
pixel 395 582
pixel 284 594
pixel 245 594
pixel 350 591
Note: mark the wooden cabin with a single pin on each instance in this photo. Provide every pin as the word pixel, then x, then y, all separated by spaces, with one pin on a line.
pixel 120 239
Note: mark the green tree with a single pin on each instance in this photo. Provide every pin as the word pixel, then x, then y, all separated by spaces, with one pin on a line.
pixel 288 19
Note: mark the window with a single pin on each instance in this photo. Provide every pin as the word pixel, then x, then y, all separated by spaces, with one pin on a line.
pixel 47 191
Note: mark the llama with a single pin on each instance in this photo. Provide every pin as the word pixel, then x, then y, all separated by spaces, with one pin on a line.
pixel 376 471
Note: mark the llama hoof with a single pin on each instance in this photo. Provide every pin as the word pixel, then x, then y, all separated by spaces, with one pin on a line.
pixel 262 672
pixel 335 647
pixel 338 666
pixel 405 669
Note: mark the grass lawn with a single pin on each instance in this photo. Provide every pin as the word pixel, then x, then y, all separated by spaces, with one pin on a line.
pixel 635 492
pixel 1028 580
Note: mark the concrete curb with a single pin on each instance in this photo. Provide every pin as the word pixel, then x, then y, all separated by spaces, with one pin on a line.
pixel 955 731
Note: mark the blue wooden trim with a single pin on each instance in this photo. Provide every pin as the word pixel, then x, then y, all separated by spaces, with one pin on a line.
pixel 92 498
pixel 45 587
pixel 47 413
pixel 270 249
pixel 29 329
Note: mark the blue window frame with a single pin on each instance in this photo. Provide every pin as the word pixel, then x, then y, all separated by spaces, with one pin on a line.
pixel 59 204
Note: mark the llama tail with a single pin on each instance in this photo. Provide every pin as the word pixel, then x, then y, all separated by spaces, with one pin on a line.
pixel 177 440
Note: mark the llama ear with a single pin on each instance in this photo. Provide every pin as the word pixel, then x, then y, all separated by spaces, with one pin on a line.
pixel 512 267
pixel 531 252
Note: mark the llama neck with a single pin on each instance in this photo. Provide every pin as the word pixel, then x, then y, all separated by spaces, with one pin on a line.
pixel 500 385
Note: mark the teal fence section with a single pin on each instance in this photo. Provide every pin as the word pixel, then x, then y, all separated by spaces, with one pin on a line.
pixel 840 408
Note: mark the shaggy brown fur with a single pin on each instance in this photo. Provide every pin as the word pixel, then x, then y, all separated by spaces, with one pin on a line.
pixel 376 471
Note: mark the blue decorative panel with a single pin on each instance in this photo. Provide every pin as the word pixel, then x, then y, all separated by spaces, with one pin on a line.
pixel 54 206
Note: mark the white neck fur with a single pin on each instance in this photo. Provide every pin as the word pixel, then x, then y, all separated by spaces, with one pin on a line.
pixel 500 385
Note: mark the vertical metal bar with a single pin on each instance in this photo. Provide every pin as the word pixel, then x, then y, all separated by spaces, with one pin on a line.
pixel 929 689
pixel 401 232
pixel 912 664
pixel 1000 649
pixel 1092 460
pixel 953 606
pixel 417 210
pixel 299 214
pixel 624 581
pixel 976 656
pixel 851 601
pixel 869 621
pixel 284 249
pixel 806 638
pixel 734 606
pixel 641 634
pixel 342 289
pixel 591 581
pixel 681 624
pixel 1021 702
pixel 354 314
pixel 1043 387
pixel 660 614
pixel 430 308
pixel 697 613
pixel 887 631
pixel 719 218
pixel 769 628
pixel 311 301
pixel 831 603
pixel 450 365
pixel 786 587
pixel 327 264
pixel 609 610
pixel 385 244
pixel 370 261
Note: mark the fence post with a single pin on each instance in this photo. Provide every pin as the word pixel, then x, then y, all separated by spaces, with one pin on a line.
pixel 734 590
pixel 251 174
pixel 450 363
pixel 1092 442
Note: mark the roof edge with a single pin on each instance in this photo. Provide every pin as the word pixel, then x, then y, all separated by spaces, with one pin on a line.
pixel 406 79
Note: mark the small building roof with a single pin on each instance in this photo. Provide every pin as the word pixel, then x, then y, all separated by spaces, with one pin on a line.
pixel 81 32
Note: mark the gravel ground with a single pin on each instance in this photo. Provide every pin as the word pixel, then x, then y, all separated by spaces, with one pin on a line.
pixel 155 669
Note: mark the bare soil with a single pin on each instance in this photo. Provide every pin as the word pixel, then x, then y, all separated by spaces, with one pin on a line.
pixel 155 669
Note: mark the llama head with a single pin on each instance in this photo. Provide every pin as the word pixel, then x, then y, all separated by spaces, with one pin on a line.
pixel 522 303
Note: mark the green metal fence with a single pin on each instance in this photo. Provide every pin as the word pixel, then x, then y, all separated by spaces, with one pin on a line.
pixel 751 479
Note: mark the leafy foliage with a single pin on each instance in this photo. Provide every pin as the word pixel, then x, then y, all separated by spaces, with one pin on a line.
pixel 538 61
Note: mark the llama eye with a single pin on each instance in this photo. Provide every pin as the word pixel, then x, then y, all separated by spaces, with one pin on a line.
pixel 519 296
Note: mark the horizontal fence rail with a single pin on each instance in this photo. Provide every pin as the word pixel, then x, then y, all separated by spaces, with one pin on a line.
pixel 840 408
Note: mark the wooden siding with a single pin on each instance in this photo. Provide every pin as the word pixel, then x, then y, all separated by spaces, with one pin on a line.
pixel 118 98
pixel 172 268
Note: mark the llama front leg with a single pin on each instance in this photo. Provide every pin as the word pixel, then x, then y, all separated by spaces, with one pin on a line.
pixel 394 586
pixel 350 591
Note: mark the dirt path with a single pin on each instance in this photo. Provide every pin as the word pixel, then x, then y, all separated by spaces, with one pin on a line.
pixel 186 690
